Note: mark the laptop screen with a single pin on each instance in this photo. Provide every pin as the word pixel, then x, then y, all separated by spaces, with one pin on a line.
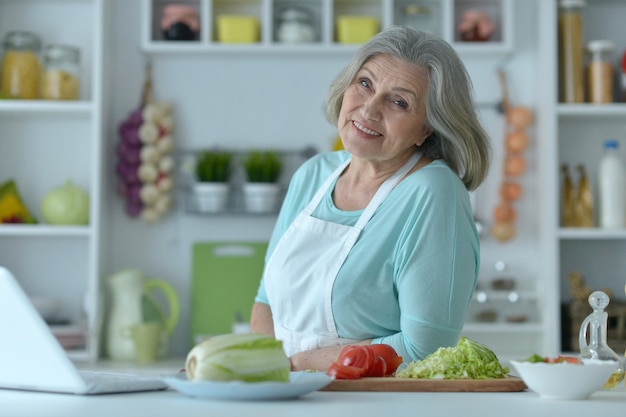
pixel 30 355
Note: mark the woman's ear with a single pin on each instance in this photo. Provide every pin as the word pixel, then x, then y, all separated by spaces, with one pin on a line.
pixel 427 132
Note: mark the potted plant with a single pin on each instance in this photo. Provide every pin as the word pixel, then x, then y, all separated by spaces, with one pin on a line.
pixel 263 170
pixel 212 171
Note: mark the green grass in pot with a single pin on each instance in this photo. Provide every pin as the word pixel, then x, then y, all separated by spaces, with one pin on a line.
pixel 263 166
pixel 213 166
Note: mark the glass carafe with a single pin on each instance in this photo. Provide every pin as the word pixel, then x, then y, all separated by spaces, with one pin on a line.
pixel 595 345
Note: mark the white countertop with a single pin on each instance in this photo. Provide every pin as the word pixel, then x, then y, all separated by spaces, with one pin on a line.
pixel 317 404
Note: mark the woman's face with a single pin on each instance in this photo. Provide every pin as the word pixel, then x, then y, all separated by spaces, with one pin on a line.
pixel 383 112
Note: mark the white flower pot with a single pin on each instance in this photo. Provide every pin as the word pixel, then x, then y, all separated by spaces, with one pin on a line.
pixel 211 197
pixel 260 197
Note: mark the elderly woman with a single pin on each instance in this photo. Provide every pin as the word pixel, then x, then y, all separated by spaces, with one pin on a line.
pixel 376 243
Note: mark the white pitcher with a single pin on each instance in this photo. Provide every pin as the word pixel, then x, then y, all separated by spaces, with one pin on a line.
pixel 133 303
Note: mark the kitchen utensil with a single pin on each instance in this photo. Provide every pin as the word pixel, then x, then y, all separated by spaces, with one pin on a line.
pixel 592 337
pixel 225 279
pixel 393 384
pixel 147 339
pixel 565 381
pixel 133 302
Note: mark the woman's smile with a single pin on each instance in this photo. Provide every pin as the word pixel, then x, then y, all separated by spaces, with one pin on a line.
pixel 362 128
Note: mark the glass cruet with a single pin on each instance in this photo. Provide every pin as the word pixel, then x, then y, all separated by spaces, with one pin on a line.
pixel 595 346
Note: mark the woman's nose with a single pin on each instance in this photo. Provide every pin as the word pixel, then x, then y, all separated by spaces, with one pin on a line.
pixel 371 108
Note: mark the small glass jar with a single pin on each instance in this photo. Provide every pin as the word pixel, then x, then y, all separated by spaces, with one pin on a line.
pixel 600 71
pixel 61 75
pixel 295 25
pixel 21 68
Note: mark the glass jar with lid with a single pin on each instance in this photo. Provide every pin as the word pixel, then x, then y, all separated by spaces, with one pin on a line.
pixel 21 68
pixel 600 71
pixel 571 51
pixel 295 25
pixel 61 74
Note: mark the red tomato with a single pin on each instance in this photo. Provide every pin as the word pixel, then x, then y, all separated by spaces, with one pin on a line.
pixel 357 356
pixel 344 372
pixel 389 354
pixel 561 358
pixel 378 369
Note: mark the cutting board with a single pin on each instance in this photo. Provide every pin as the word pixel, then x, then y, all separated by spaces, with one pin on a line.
pixel 225 279
pixel 392 384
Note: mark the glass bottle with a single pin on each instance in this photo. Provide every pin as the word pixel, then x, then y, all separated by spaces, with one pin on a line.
pixel 595 326
pixel 61 76
pixel 21 68
pixel 571 70
pixel 600 71
pixel 611 187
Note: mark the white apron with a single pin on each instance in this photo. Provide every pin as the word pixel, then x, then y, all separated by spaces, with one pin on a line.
pixel 300 273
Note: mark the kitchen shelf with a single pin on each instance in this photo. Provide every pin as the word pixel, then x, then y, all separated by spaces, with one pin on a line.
pixel 44 106
pixel 592 110
pixel 44 143
pixel 44 230
pixel 574 137
pixel 571 233
pixel 292 159
pixel 445 16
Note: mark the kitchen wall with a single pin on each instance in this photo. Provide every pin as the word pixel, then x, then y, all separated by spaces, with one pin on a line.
pixel 275 100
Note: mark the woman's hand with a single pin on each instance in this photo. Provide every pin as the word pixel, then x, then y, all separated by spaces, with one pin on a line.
pixel 319 359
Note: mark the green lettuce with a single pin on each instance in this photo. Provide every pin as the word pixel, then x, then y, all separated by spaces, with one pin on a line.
pixel 238 357
pixel 467 360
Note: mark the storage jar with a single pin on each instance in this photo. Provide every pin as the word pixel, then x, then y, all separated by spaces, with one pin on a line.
pixel 600 71
pixel 21 67
pixel 61 76
pixel 571 49
pixel 295 25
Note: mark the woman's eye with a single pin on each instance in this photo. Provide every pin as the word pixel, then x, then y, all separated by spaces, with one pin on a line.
pixel 365 83
pixel 401 103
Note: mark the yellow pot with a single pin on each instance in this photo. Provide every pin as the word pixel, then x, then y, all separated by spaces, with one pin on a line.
pixel 356 29
pixel 237 29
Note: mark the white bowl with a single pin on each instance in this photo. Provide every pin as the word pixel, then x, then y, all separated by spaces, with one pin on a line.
pixel 565 381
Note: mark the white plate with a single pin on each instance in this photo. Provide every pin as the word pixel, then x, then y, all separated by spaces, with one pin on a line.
pixel 300 383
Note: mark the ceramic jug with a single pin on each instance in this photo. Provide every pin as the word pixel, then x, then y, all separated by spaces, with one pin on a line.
pixel 133 302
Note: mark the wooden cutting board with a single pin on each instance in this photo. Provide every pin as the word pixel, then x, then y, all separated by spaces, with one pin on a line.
pixel 392 384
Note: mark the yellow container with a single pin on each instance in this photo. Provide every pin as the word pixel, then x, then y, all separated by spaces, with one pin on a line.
pixel 356 29
pixel 237 29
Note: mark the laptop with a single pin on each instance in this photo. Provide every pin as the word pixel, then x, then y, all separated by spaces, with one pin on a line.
pixel 31 358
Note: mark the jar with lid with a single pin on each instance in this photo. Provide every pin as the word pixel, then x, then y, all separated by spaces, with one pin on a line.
pixel 21 68
pixel 295 25
pixel 180 22
pixel 600 71
pixel 571 51
pixel 61 75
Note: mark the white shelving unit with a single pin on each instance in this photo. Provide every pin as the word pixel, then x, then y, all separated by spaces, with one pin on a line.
pixel 440 17
pixel 535 334
pixel 43 144
pixel 573 134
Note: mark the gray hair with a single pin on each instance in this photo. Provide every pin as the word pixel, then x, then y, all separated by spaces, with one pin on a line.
pixel 457 135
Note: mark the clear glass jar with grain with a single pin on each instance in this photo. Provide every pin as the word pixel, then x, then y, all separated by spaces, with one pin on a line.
pixel 571 51
pixel 61 77
pixel 600 71
pixel 20 72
